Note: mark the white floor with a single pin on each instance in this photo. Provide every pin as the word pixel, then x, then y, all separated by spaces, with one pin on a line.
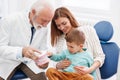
pixel 112 78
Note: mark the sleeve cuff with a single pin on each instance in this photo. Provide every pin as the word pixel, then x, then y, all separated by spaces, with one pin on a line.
pixel 19 54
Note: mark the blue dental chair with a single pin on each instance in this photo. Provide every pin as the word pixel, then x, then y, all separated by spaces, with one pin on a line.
pixel 105 32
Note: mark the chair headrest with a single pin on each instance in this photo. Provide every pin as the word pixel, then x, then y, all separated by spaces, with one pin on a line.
pixel 104 30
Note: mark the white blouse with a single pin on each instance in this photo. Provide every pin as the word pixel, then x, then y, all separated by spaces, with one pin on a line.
pixel 92 44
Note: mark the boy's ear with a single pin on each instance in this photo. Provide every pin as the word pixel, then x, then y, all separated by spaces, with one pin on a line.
pixel 81 45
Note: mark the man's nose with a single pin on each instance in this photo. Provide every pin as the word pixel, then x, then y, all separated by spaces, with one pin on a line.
pixel 45 23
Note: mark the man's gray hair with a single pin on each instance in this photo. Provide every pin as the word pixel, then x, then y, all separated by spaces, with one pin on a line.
pixel 40 4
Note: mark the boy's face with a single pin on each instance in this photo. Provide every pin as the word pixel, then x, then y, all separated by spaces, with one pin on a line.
pixel 73 48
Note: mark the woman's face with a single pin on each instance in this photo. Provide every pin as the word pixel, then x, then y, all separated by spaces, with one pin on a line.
pixel 63 24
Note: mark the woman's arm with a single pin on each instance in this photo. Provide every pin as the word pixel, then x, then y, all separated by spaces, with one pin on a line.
pixel 93 45
pixel 93 67
pixel 98 54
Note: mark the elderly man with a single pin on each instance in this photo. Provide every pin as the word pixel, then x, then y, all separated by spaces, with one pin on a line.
pixel 18 43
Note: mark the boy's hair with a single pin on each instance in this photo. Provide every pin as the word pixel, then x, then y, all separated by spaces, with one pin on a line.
pixel 75 36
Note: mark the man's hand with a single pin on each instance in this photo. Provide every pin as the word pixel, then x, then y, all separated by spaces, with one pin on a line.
pixel 44 66
pixel 29 52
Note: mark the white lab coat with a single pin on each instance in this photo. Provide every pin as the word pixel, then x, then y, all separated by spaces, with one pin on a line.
pixel 15 33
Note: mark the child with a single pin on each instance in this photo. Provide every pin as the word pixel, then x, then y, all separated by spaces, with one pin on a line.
pixel 75 40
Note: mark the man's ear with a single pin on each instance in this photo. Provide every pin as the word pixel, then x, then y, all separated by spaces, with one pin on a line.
pixel 33 11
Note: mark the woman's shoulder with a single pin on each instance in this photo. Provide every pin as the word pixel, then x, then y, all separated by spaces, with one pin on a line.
pixel 61 38
pixel 88 30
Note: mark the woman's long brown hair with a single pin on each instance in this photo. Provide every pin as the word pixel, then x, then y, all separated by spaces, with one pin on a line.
pixel 55 32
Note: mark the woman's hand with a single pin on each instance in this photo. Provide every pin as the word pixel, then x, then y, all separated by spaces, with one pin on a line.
pixel 63 64
pixel 82 69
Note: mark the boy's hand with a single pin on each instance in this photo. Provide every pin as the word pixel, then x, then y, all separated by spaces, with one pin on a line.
pixel 49 54
pixel 63 64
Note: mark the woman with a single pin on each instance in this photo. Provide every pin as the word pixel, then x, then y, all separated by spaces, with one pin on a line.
pixel 62 23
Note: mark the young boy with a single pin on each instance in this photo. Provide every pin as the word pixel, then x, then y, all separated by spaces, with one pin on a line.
pixel 75 40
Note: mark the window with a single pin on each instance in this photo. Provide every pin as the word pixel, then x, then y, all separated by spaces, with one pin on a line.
pixel 91 4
